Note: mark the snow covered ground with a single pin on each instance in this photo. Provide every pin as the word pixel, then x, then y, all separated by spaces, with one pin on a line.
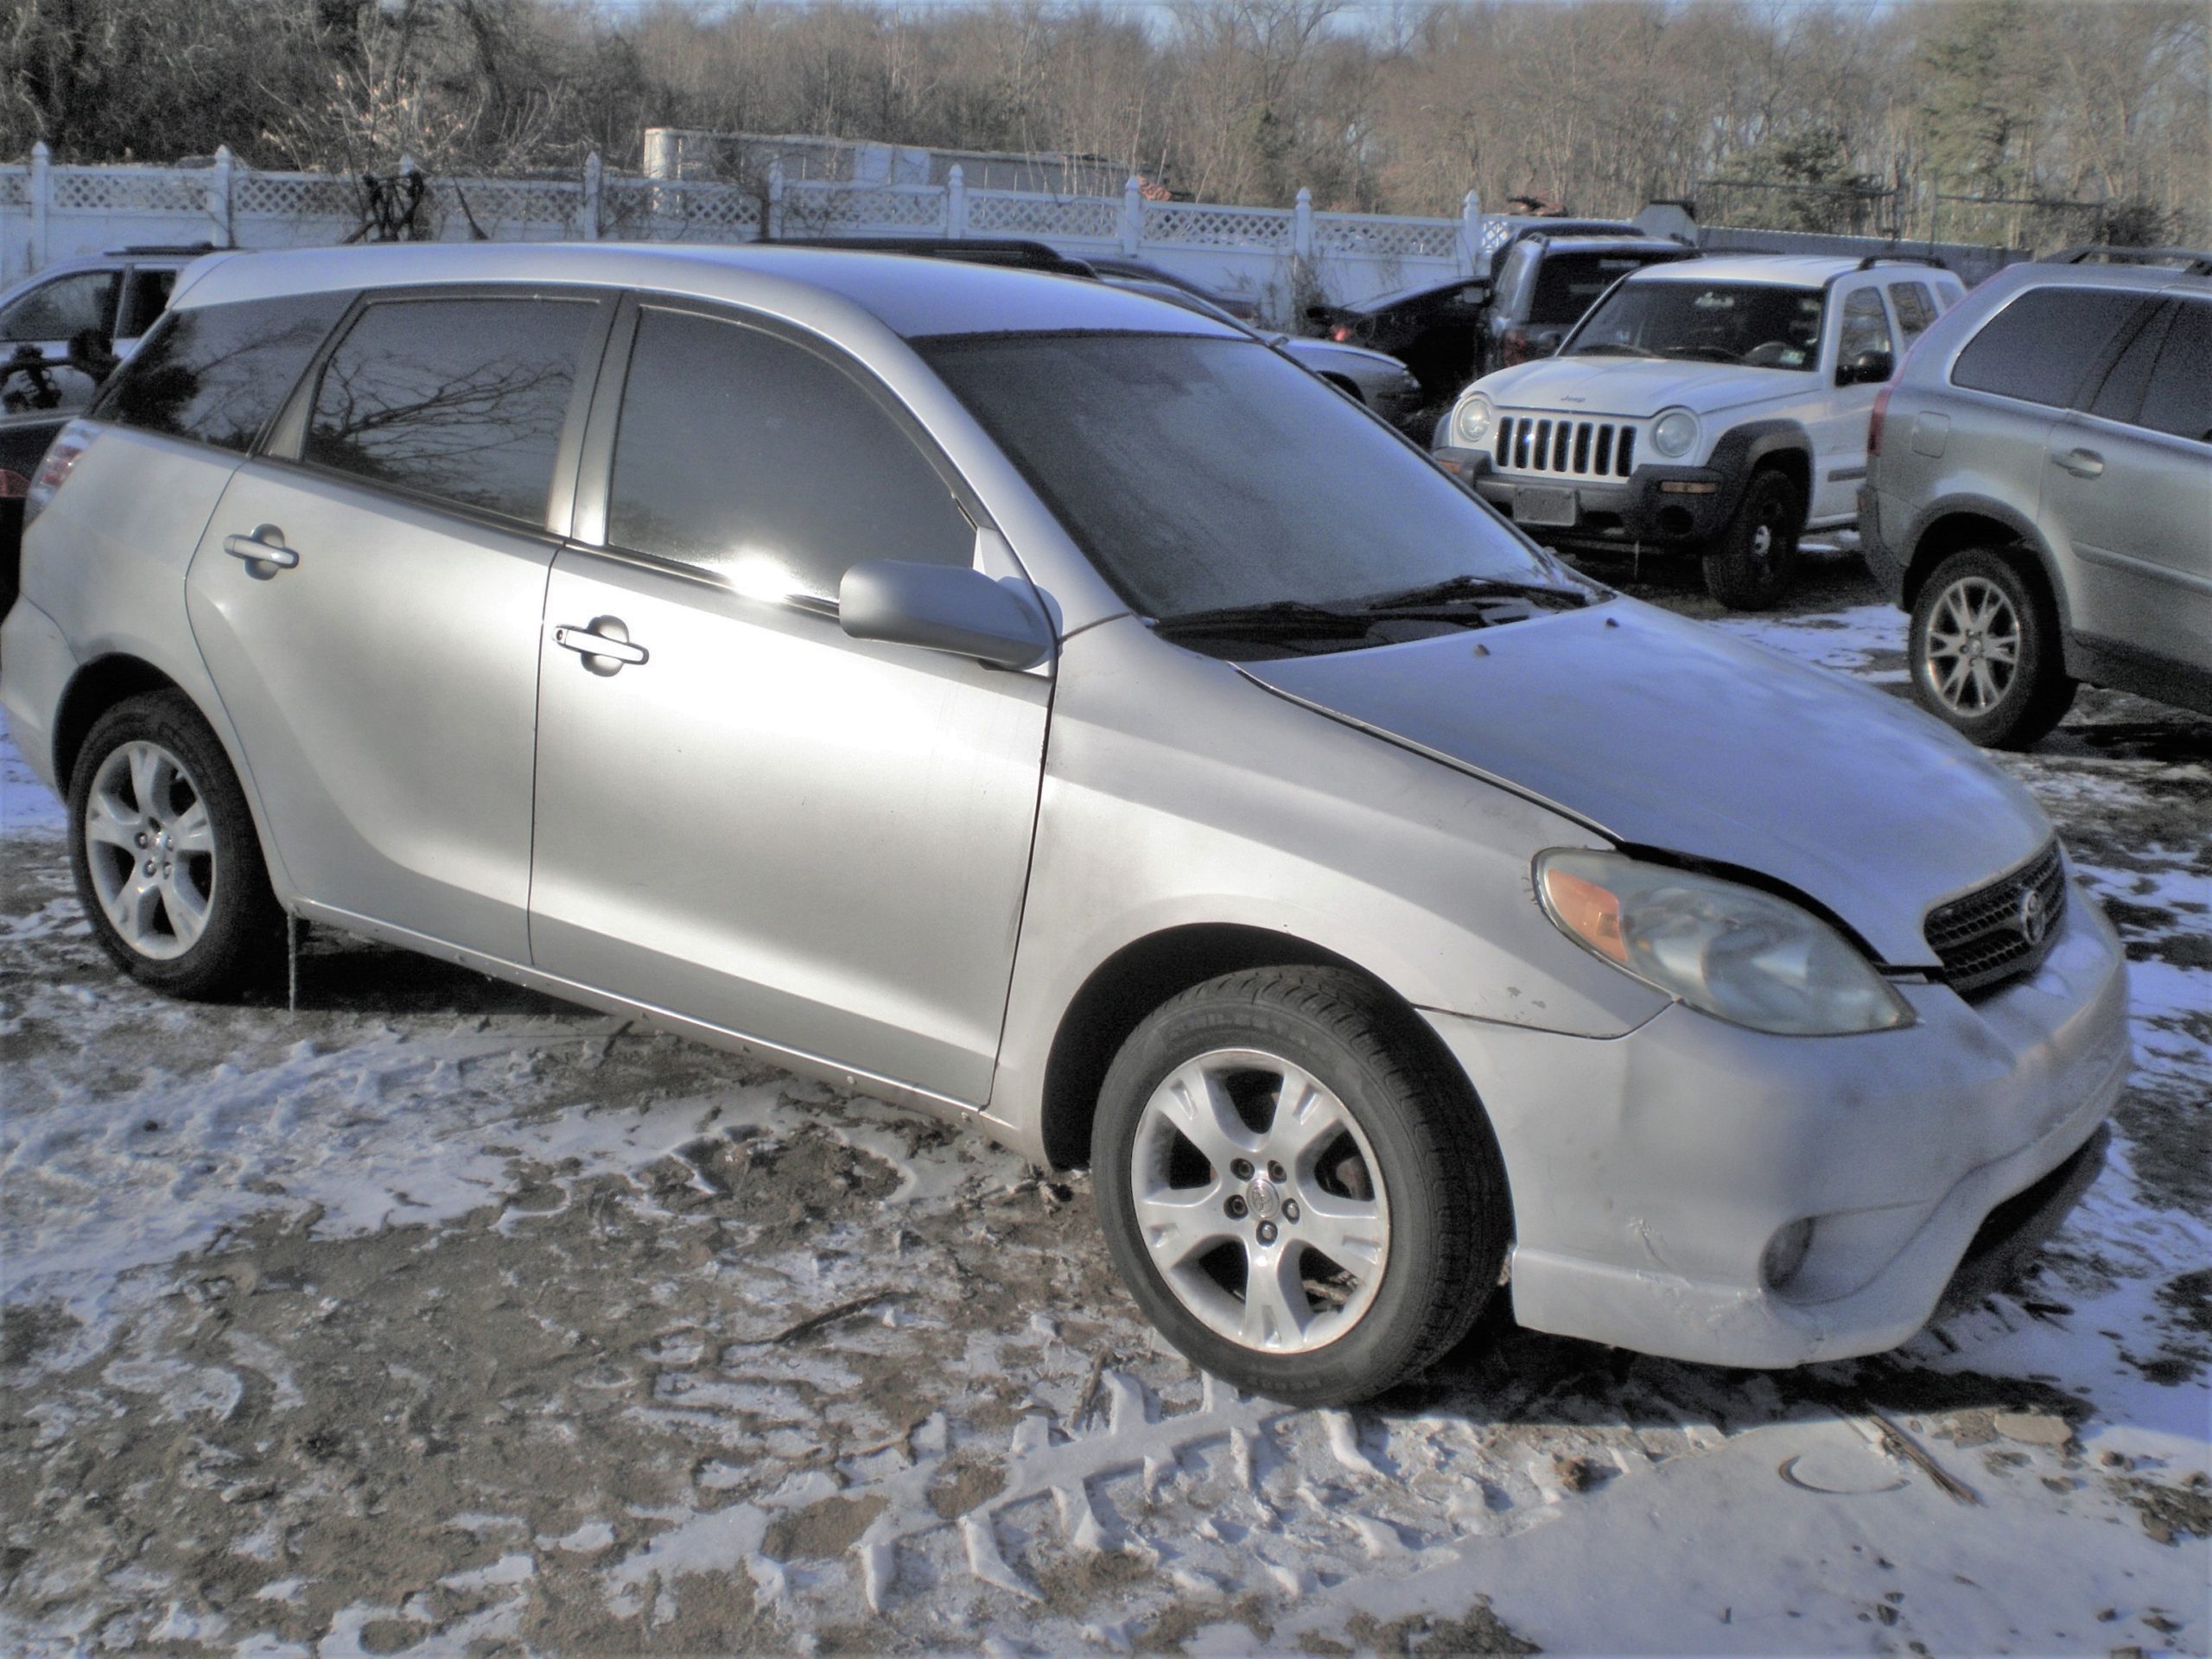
pixel 440 1316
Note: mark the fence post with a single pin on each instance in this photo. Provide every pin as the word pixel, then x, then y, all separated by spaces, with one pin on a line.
pixel 1132 216
pixel 219 197
pixel 1301 225
pixel 956 202
pixel 775 225
pixel 587 211
pixel 42 186
pixel 1471 233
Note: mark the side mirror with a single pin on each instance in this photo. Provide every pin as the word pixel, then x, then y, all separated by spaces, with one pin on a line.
pixel 942 607
pixel 1875 366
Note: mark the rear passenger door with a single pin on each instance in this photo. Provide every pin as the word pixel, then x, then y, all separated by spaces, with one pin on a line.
pixel 2128 489
pixel 746 816
pixel 367 597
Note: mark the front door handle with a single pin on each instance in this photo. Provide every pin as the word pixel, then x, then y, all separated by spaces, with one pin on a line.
pixel 2082 463
pixel 606 639
pixel 265 546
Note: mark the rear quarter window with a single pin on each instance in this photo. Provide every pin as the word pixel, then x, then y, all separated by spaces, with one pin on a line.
pixel 219 373
pixel 2042 347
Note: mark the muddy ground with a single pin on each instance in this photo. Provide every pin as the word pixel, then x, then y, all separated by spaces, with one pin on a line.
pixel 437 1317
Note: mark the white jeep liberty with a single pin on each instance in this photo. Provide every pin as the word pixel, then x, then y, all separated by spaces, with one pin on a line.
pixel 1718 406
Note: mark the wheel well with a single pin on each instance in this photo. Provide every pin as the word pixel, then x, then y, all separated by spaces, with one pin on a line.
pixel 1346 385
pixel 1121 991
pixel 98 688
pixel 1954 533
pixel 1794 465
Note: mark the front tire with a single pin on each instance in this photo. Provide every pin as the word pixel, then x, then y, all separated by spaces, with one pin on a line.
pixel 168 866
pixel 1749 566
pixel 1298 1190
pixel 1986 657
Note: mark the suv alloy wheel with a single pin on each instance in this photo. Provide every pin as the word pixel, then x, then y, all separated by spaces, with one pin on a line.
pixel 1985 652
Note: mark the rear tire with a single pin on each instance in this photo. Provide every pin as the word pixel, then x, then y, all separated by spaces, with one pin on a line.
pixel 1297 1189
pixel 1987 657
pixel 167 866
pixel 1749 566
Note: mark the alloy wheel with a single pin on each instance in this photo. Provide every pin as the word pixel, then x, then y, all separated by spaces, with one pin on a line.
pixel 149 844
pixel 1260 1202
pixel 1972 649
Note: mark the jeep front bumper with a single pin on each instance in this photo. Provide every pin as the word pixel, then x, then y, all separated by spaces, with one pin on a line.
pixel 1655 507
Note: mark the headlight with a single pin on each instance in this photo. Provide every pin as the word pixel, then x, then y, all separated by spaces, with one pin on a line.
pixel 1472 420
pixel 1674 433
pixel 1730 951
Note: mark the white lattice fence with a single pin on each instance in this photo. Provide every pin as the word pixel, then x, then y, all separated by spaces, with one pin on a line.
pixel 1050 218
pixel 1273 255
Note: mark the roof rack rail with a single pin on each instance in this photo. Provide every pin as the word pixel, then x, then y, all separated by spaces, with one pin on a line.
pixel 1901 258
pixel 164 248
pixel 2196 261
pixel 1018 252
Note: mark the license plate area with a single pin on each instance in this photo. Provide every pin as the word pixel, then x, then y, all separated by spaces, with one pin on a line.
pixel 1536 504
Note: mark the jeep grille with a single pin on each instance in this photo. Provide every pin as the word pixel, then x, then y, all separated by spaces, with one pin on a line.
pixel 1994 933
pixel 1575 448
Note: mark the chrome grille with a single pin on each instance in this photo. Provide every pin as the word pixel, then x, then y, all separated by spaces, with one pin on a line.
pixel 1995 932
pixel 1529 443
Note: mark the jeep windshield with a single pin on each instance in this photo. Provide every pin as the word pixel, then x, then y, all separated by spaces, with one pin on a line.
pixel 1760 325
pixel 1206 476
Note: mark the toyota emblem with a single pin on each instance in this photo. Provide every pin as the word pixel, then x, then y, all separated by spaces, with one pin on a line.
pixel 2031 920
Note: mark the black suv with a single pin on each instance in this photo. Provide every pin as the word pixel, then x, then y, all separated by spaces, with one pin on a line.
pixel 1546 282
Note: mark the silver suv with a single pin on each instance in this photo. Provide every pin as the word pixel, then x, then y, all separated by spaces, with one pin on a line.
pixel 2039 492
pixel 798 649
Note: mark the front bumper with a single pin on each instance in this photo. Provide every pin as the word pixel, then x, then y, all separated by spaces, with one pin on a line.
pixel 1651 1173
pixel 1657 508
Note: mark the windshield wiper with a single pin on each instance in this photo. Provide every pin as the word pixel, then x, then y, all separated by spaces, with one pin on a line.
pixel 1455 589
pixel 1703 353
pixel 1611 348
pixel 1280 619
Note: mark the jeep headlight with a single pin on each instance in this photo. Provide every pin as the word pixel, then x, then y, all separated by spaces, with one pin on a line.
pixel 1674 433
pixel 1726 950
pixel 1472 421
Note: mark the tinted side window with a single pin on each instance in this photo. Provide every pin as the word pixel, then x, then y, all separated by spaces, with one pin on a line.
pixel 2179 397
pixel 66 306
pixel 1865 325
pixel 2039 347
pixel 751 457
pixel 1915 309
pixel 463 399
pixel 144 295
pixel 2122 394
pixel 219 372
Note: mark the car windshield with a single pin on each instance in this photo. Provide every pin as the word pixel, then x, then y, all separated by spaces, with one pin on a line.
pixel 1200 473
pixel 1760 324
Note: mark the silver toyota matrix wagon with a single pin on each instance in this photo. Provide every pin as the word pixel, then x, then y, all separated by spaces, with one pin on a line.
pixel 1052 708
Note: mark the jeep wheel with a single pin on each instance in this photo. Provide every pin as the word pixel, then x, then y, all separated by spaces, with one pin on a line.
pixel 1985 653
pixel 1748 567
pixel 1296 1187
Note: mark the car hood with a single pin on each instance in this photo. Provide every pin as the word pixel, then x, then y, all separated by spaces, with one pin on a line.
pixel 1666 734
pixel 1636 385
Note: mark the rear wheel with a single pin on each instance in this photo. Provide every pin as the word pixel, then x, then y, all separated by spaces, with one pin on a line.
pixel 1748 567
pixel 1296 1189
pixel 1986 657
pixel 168 869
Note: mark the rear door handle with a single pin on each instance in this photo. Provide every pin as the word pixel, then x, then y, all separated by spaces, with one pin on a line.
pixel 265 546
pixel 590 642
pixel 2082 463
